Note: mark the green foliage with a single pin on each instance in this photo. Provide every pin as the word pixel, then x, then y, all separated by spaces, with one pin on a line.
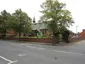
pixel 18 21
pixel 56 16
pixel 4 19
pixel 21 22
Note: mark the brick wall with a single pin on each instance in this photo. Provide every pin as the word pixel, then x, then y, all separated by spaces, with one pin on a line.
pixel 42 40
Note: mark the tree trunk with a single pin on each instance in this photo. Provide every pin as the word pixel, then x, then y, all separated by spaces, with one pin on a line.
pixel 4 35
pixel 19 35
pixel 55 40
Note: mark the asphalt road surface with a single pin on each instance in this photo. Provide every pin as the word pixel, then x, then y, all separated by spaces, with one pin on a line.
pixel 18 53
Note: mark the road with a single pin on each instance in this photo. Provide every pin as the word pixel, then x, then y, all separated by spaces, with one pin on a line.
pixel 18 53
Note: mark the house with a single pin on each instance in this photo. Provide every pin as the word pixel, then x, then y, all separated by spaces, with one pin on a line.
pixel 82 34
pixel 11 32
pixel 40 28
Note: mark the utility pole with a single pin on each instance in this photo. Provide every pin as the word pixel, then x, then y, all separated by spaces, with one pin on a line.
pixel 77 32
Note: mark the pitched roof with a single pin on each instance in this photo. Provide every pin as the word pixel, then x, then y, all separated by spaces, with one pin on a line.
pixel 38 26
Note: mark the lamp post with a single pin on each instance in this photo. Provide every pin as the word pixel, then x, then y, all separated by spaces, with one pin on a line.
pixel 77 29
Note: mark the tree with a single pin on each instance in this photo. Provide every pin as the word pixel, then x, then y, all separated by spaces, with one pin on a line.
pixel 20 22
pixel 4 19
pixel 56 16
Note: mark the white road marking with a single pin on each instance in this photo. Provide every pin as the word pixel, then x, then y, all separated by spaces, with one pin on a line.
pixel 22 54
pixel 5 59
pixel 55 50
pixel 67 52
pixel 29 44
pixel 76 47
pixel 10 62
pixel 35 47
pixel 73 47
pixel 26 44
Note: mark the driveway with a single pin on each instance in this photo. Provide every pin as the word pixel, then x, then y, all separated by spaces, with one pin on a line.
pixel 18 53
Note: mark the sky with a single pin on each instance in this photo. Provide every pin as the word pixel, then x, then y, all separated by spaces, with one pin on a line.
pixel 32 8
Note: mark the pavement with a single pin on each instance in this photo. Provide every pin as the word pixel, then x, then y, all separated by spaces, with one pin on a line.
pixel 12 52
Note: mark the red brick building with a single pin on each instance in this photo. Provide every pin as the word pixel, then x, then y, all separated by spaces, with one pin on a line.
pixel 10 32
pixel 82 34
